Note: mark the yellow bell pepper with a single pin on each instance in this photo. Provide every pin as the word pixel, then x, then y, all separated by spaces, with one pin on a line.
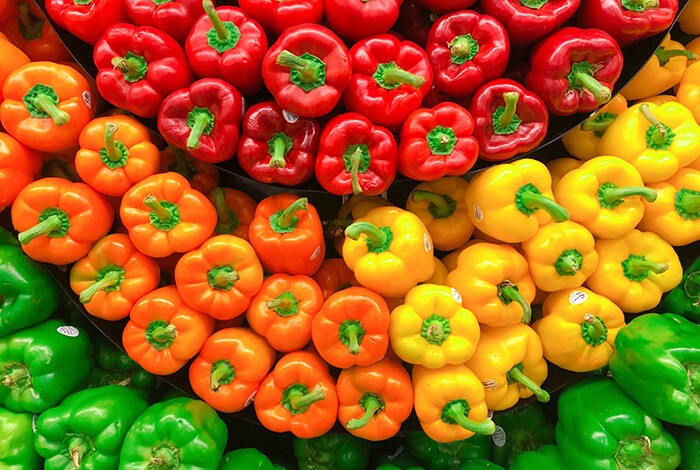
pixel 432 328
pixel 450 259
pixel 694 46
pixel 635 270
pixel 495 284
pixel 675 215
pixel 440 274
pixel 660 99
pixel 505 200
pixel 662 72
pixel 441 206
pixel 356 206
pixel 560 256
pixel 509 362
pixel 449 403
pixel 389 250
pixel 582 141
pixel 561 166
pixel 689 19
pixel 657 140
pixel 689 90
pixel 578 329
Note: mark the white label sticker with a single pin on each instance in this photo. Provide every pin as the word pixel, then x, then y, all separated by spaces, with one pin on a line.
pixel 577 297
pixel 250 399
pixel 87 97
pixel 289 117
pixel 457 296
pixel 384 195
pixel 499 437
pixel 490 414
pixel 478 213
pixel 315 254
pixel 35 418
pixel 70 331
pixel 490 384
pixel 426 242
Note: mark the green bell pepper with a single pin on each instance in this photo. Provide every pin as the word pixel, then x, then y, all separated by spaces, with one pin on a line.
pixel 546 457
pixel 657 362
pixel 247 459
pixel 17 441
pixel 42 364
pixel 520 430
pixel 439 456
pixel 601 428
pixel 114 367
pixel 684 299
pixel 689 441
pixel 181 433
pixel 388 466
pixel 28 293
pixel 480 464
pixel 88 428
pixel 398 458
pixel 332 452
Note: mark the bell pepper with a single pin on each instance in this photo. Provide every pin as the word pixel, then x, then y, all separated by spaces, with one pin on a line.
pixel 600 425
pixel 276 147
pixel 88 428
pixel 277 17
pixel 356 206
pixel 177 433
pixel 389 80
pixel 657 140
pixel 46 106
pixel 247 458
pixel 42 364
pixel 334 276
pixel 18 167
pixel 520 430
pixel 561 166
pixel 235 211
pixel 689 442
pixel 332 451
pixel 414 22
pixel 287 235
pixel 230 367
pixel 548 456
pixel 574 70
pixel 174 18
pixel 635 270
pixel 530 20
pixel 578 329
pixel 445 6
pixel 437 142
pixel 358 20
pixel 298 396
pixel 59 221
pixel 684 299
pixel 33 33
pixel 355 156
pixel 112 277
pixel 689 90
pixel 374 400
pixel 17 442
pixel 687 19
pixel 389 250
pixel 13 58
pixel 202 176
pixel 163 333
pixel 494 283
pixel 164 215
pixel 307 69
pixel 447 456
pixel 115 153
pixel 137 67
pixel 582 141
pixel 114 367
pixel 449 403
pixel 480 464
pixel 86 20
pixel 432 328
pixel 220 277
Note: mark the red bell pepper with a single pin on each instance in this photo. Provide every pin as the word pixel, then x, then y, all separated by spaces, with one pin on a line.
pixel 137 67
pixel 437 142
pixel 574 70
pixel 276 147
pixel 277 16
pixel 509 120
pixel 173 17
pixel 355 156
pixel 203 119
pixel 227 44
pixel 466 50
pixel 445 6
pixel 86 19
pixel 307 69
pixel 389 81
pixel 414 22
pixel 353 19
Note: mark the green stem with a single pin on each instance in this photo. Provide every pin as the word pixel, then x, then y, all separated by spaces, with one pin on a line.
pixel 164 334
pixel 45 227
pixel 664 55
pixel 227 221
pixel 601 93
pixel 632 452
pixel 508 292
pixel 375 236
pixel 598 124
pixel 286 218
pixel 372 404
pixel 660 134
pixel 397 75
pixel 519 376
pixel 224 278
pixel 511 99
pixel 222 373
pixel 182 166
pixel 133 67
pixel 110 279
pixel 281 303
pixel 203 122
pixel 44 103
pixel 16 375
pixel 612 194
pixel 640 267
pixel 458 413
pixel 688 203
pixel 78 448
pixel 640 5
pixel 216 22
pixel 356 160
pixel 598 329
pixel 305 69
pixel 305 401
pixel 163 214
pixel 440 205
pixel 534 200
pixel 279 150
pixel 113 153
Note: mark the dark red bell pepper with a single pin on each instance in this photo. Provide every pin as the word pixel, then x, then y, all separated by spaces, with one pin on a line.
pixel 307 70
pixel 389 80
pixel 414 22
pixel 203 119
pixel 574 70
pixel 277 147
pixel 627 20
pixel 466 50
pixel 527 21
pixel 86 19
pixel 227 44
pixel 445 6
pixel 277 16
pixel 173 17
pixel 509 120
pixel 437 142
pixel 358 19
pixel 355 156
pixel 137 67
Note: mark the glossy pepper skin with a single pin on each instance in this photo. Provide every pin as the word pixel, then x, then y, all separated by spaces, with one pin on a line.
pixel 17 441
pixel 582 141
pixel 13 58
pixel 29 29
pixel 445 6
pixel 19 165
pixel 574 70
pixel 548 456
pixel 684 299
pixel 174 18
pixel 247 458
pixel 334 276
pixel 530 20
pixel 689 89
pixel 202 176
pixel 446 456
pixel 235 211
pixel 629 437
pixel 87 21
pixel 88 428
pixel 524 429
pixel 332 451
pixel 114 367
pixel 358 20
pixel 689 442
pixel 178 433
pixel 355 207
pixel 277 17
pixel 277 148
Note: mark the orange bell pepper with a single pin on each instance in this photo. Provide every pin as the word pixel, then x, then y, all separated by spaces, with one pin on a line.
pixel 46 106
pixel 95 96
pixel 59 221
pixel 163 333
pixel 164 215
pixel 235 211
pixel 333 276
pixel 29 30
pixel 352 328
pixel 298 396
pixel 112 277
pixel 283 309
pixel 287 235
pixel 115 153
pixel 374 400
pixel 220 277
pixel 230 367
pixel 18 167
pixel 12 59
pixel 202 176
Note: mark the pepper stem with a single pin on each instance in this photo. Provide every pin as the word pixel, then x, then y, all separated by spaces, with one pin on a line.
pixel 598 328
pixel 688 201
pixel 397 75
pixel 224 278
pixel 375 236
pixel 44 103
pixel 612 194
pixel 132 66
pixel 226 223
pixel 519 376
pixel 457 412
pixel 301 65
pixel 110 279
pixel 164 334
pixel 441 205
pixel 356 160
pixel 640 267
pixel 534 200
pixel 286 217
pixel 216 22
pixel 598 124
pixel 279 150
pixel 163 214
pixel 78 448
pixel 17 374
pixel 202 123
pixel 664 55
pixel 632 450
pixel 282 302
pixel 371 406
pixel 308 399
pixel 508 292
pixel 182 166
pixel 601 93
pixel 511 99
pixel 45 227
pixel 660 134
pixel 111 149
pixel 222 373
